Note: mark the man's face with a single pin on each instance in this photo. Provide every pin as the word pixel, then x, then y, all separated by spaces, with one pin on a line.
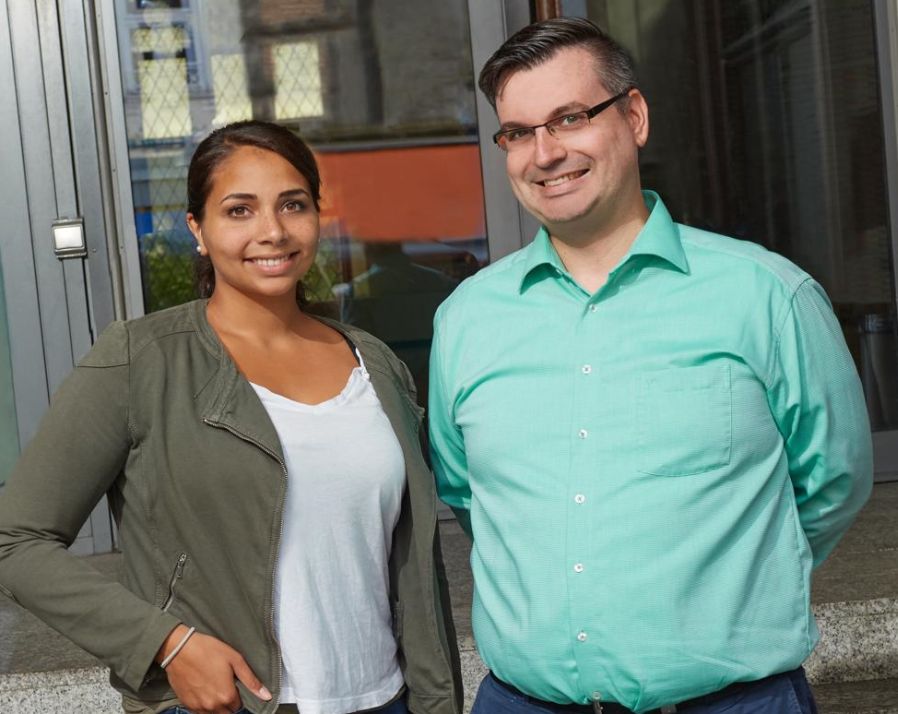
pixel 574 181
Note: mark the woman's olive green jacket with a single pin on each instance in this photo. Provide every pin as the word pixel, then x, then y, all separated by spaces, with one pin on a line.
pixel 158 417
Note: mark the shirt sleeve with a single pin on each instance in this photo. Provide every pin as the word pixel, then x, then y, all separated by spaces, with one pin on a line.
pixel 818 403
pixel 77 454
pixel 447 446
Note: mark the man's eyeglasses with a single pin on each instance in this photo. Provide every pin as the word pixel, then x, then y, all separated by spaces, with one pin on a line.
pixel 521 136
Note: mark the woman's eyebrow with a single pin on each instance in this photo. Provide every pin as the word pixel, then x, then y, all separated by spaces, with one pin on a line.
pixel 253 197
pixel 293 192
pixel 239 196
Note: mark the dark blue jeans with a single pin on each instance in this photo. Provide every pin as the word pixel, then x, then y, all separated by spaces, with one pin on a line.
pixel 787 693
pixel 397 707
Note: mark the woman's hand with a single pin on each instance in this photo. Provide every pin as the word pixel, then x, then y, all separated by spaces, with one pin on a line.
pixel 203 673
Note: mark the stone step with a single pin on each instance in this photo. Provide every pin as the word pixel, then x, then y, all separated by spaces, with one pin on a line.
pixel 858 641
pixel 73 691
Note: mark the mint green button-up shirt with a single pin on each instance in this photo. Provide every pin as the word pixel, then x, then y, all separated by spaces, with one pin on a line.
pixel 649 472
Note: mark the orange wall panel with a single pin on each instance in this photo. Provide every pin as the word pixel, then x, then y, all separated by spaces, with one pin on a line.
pixel 419 193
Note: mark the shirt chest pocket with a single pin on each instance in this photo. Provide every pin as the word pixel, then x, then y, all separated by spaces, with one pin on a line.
pixel 685 420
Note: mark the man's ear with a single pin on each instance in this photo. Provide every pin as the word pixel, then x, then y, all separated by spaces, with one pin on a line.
pixel 638 117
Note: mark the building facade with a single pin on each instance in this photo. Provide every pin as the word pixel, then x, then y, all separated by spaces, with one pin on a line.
pixel 772 120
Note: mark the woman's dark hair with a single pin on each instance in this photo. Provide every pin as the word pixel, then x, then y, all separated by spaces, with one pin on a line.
pixel 538 43
pixel 217 147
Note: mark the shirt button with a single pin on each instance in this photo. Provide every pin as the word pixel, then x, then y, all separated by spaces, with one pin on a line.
pixel 582 433
pixel 586 368
pixel 578 568
pixel 596 696
pixel 581 636
pixel 593 308
pixel 579 498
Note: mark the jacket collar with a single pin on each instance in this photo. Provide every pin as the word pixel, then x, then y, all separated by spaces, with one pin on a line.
pixel 234 405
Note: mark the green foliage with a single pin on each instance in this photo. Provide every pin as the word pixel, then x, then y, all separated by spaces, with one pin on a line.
pixel 323 274
pixel 167 261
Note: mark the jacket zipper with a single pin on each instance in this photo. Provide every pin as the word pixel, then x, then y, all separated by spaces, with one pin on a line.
pixel 175 577
pixel 169 599
pixel 280 511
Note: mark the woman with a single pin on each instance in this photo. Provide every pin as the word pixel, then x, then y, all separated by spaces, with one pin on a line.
pixel 275 514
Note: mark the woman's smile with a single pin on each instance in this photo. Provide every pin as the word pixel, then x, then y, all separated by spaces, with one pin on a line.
pixel 274 265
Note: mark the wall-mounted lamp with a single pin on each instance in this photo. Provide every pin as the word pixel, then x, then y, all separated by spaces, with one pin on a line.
pixel 68 238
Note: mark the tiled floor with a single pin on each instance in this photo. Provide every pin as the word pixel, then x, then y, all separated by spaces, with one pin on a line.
pixel 865 564
pixel 875 697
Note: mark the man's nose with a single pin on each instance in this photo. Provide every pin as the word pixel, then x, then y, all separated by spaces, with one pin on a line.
pixel 547 148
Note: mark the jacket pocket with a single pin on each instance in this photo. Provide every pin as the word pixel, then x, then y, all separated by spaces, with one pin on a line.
pixel 173 581
pixel 684 420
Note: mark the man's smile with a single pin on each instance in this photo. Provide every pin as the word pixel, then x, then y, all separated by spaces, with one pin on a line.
pixel 564 178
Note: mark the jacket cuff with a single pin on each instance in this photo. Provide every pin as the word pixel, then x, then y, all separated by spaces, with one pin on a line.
pixel 142 660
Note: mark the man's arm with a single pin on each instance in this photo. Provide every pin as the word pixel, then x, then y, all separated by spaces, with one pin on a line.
pixel 818 403
pixel 447 448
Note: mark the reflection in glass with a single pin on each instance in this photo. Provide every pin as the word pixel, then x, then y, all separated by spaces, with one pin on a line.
pixel 9 429
pixel 767 126
pixel 297 78
pixel 385 95
pixel 229 85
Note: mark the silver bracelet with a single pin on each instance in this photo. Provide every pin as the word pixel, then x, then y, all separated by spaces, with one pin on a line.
pixel 178 647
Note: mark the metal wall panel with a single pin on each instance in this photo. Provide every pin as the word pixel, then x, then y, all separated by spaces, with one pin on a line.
pixel 50 174
pixel 83 95
pixel 40 186
pixel 63 185
pixel 20 283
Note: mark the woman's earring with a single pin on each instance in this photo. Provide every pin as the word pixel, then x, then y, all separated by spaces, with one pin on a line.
pixel 199 249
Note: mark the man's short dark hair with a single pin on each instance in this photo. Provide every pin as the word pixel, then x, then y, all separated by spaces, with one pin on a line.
pixel 538 43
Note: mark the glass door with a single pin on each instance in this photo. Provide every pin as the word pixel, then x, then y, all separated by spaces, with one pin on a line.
pixel 768 126
pixel 382 91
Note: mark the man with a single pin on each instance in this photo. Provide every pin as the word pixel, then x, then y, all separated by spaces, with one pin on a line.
pixel 652 433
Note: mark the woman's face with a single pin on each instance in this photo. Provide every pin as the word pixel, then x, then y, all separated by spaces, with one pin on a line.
pixel 260 225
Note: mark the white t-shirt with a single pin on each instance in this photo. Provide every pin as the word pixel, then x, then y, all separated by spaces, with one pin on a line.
pixel 345 480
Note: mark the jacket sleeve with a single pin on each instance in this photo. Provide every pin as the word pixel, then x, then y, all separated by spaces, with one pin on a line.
pixel 80 449
pixel 447 447
pixel 818 403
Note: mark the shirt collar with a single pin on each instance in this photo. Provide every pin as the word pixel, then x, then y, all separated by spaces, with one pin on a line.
pixel 658 237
